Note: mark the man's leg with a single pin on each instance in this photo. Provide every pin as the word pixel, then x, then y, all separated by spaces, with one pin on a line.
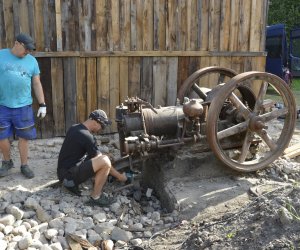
pixel 102 168
pixel 5 149
pixel 23 150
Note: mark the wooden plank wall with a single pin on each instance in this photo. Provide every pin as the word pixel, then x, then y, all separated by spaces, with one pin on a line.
pixel 93 54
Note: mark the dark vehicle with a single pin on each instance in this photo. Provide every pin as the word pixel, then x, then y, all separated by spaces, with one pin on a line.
pixel 282 60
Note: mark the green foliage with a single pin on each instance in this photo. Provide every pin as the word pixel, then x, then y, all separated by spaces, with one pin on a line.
pixel 284 11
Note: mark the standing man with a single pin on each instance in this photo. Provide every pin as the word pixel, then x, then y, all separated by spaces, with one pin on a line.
pixel 80 159
pixel 18 72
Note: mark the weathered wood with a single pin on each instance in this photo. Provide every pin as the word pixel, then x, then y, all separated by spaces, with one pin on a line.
pixel 234 25
pixel 8 22
pixel 159 81
pixel 172 25
pixel 148 25
pixel 182 22
pixel 23 16
pixel 244 25
pixel 70 100
pixel 125 25
pixel 204 25
pixel 214 25
pixel 101 25
pixel 2 28
pixel 58 96
pixel 147 79
pixel 47 122
pixel 134 66
pixel 81 101
pixel 91 82
pixel 255 31
pixel 58 24
pixel 159 25
pixel 114 88
pixel 172 65
pixel 225 25
pixel 123 78
pixel 39 25
pixel 103 91
pixel 192 25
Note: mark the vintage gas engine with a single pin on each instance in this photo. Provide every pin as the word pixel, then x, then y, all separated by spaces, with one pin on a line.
pixel 246 130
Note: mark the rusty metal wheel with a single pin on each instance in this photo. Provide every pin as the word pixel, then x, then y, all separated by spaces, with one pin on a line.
pixel 190 86
pixel 263 131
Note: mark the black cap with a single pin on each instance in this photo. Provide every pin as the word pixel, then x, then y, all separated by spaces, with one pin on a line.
pixel 101 117
pixel 26 40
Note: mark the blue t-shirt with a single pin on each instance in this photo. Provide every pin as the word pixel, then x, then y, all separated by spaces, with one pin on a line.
pixel 15 79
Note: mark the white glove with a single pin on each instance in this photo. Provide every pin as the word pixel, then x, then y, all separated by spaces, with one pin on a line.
pixel 41 112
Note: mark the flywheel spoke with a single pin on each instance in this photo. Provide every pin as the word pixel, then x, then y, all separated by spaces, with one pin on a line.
pixel 274 114
pixel 260 97
pixel 239 105
pixel 236 129
pixel 268 140
pixel 245 147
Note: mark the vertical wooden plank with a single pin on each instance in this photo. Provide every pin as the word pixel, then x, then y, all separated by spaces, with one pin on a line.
pixel 204 25
pixel 214 25
pixel 52 26
pixel 47 123
pixel 123 78
pixel 159 18
pixel 125 25
pixel 182 22
pixel 172 66
pixel 103 94
pixel 114 88
pixel 134 75
pixel 85 31
pixel 2 27
pixel 39 25
pixel 172 26
pixel 225 25
pixel 205 62
pixel 91 81
pixel 70 92
pixel 234 25
pixel 16 16
pixel 255 26
pixel 192 25
pixel 8 22
pixel 148 25
pixel 213 78
pixel 58 25
pixel 139 24
pixel 244 26
pixel 65 25
pixel 23 16
pixel 73 25
pixel 147 79
pixel 101 25
pixel 45 15
pixel 81 101
pixel 58 96
pixel 263 24
pixel 159 81
pixel 133 24
pixel 237 64
pixel 114 30
pixel 31 18
pixel 182 73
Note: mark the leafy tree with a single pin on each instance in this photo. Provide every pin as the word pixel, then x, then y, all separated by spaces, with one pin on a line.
pixel 286 12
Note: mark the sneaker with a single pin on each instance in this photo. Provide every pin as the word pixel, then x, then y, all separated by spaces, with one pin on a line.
pixel 73 190
pixel 27 172
pixel 103 201
pixel 6 166
pixel 70 186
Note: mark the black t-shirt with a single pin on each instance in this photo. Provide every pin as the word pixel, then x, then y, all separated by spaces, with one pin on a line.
pixel 79 145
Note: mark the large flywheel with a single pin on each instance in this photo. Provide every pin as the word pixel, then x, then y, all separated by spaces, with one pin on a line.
pixel 191 87
pixel 263 129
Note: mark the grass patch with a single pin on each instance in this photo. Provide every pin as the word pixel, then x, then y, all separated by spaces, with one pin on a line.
pixel 296 84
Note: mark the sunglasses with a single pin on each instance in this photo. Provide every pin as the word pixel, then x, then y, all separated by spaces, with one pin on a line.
pixel 103 125
pixel 26 50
